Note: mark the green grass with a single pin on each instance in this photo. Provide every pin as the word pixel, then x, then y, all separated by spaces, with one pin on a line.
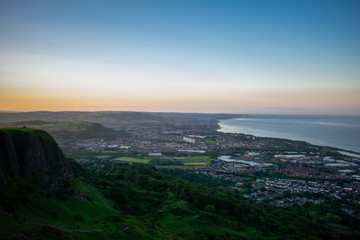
pixel 69 126
pixel 183 167
pixel 206 159
pixel 196 227
pixel 196 164
pixel 20 133
pixel 43 208
pixel 110 152
pixel 190 163
pixel 42 216
pixel 172 224
pixel 180 219
pixel 22 137
pixel 49 212
pixel 102 156
pixel 185 160
pixel 134 160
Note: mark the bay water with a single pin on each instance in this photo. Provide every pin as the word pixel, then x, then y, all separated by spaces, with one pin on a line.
pixel 335 131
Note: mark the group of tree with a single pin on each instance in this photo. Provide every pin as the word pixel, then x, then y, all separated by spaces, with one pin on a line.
pixel 131 185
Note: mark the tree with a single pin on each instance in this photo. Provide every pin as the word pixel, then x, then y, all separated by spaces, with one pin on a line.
pixel 210 208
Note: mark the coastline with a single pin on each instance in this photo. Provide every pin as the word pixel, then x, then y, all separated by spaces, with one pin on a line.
pixel 340 150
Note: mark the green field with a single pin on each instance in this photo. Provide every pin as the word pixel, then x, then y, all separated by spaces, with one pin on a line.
pixel 192 162
pixel 195 163
pixel 133 160
pixel 102 156
pixel 195 159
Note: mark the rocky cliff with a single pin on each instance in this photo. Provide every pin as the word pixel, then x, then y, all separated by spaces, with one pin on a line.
pixel 34 156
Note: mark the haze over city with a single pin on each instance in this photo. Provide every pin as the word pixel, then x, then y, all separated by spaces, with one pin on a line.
pixel 293 57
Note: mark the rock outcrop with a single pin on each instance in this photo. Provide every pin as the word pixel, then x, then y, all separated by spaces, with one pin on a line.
pixel 34 156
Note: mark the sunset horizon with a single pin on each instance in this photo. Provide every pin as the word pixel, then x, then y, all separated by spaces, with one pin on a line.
pixel 180 119
pixel 264 57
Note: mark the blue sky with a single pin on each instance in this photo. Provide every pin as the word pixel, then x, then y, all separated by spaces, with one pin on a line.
pixel 202 56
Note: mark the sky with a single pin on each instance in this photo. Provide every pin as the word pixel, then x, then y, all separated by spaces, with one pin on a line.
pixel 234 56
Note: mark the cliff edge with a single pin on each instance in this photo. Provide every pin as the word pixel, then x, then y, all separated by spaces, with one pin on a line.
pixel 32 155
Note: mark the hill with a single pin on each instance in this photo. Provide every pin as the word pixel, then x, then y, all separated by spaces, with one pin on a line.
pixel 108 200
pixel 41 197
pixel 32 155
pixel 72 130
pixel 106 118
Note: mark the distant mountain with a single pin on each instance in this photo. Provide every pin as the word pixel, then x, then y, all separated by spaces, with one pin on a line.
pixel 72 130
pixel 3 111
pixel 214 116
pixel 107 118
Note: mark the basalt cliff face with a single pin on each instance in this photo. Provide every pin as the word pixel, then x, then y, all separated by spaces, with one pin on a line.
pixel 33 156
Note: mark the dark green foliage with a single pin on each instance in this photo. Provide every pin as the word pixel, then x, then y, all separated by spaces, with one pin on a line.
pixel 129 201
pixel 180 194
pixel 198 178
pixel 210 208
pixel 21 138
pixel 79 218
pixel 50 233
pixel 86 176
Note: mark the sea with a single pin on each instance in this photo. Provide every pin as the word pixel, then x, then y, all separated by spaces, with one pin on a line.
pixel 335 131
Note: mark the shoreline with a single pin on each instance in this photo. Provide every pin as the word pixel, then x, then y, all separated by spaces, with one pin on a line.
pixel 345 152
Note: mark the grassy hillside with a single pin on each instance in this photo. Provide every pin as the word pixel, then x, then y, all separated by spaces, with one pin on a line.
pixel 139 202
pixel 189 206
pixel 30 214
pixel 72 130
pixel 108 200
pixel 24 134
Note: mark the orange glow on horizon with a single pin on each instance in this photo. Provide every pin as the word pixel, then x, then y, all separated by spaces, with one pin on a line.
pixel 25 100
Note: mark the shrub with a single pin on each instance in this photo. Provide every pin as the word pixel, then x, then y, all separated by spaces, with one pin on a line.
pixel 79 218
pixel 210 208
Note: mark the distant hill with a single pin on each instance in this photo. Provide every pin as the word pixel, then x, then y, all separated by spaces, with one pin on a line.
pixel 72 130
pixel 107 118
pixel 214 116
